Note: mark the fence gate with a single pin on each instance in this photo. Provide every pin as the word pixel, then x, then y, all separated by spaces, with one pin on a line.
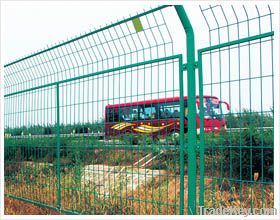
pixel 108 122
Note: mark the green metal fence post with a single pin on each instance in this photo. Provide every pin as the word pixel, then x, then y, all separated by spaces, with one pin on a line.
pixel 201 138
pixel 182 141
pixel 58 148
pixel 191 109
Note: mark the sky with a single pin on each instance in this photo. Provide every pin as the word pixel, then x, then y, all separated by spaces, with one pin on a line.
pixel 31 26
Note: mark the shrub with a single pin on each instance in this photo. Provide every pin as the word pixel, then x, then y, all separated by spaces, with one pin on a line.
pixel 249 151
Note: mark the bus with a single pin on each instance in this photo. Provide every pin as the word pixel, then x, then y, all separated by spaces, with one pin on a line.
pixel 162 116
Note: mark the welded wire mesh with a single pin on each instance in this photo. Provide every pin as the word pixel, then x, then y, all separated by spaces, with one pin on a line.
pixel 84 121
pixel 112 46
pixel 237 67
pixel 100 124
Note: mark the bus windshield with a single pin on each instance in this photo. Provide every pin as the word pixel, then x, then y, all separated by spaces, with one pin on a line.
pixel 212 108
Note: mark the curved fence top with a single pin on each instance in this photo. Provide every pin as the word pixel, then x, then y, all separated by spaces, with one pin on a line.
pixel 240 54
pixel 235 22
pixel 132 40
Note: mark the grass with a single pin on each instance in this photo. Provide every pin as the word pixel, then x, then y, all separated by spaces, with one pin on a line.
pixel 37 181
pixel 159 198
pixel 16 207
pixel 30 172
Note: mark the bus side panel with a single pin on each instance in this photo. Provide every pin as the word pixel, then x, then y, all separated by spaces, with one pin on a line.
pixel 211 125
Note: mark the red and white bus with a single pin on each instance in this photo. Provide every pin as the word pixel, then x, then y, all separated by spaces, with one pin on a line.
pixel 161 116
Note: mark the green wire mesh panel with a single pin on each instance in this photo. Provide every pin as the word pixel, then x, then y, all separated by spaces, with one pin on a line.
pixel 92 125
pixel 126 172
pixel 237 160
pixel 29 144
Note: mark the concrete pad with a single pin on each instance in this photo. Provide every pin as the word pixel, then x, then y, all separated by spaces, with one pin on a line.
pixel 105 180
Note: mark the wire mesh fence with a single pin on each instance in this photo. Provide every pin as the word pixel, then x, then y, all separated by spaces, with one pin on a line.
pixel 238 66
pixel 85 130
pixel 110 123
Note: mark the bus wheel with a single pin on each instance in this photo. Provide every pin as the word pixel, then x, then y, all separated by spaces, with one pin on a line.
pixel 155 138
pixel 135 140
pixel 175 136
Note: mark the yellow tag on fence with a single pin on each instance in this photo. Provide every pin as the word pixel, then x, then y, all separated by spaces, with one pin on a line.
pixel 137 24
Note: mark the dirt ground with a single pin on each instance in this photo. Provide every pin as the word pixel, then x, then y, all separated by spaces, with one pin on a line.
pixel 16 207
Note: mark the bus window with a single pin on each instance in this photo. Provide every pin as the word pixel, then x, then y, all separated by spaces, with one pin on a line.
pixel 134 113
pixel 212 108
pixel 176 112
pixel 150 112
pixel 147 112
pixel 124 116
pixel 129 113
pixel 170 110
pixel 142 115
pixel 112 115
